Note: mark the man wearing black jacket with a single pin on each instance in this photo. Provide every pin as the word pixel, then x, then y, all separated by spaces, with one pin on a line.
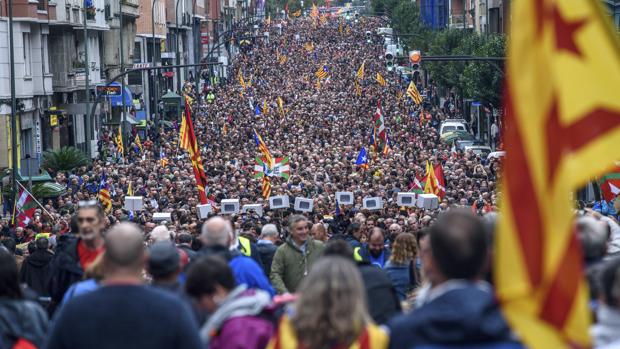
pixel 74 255
pixel 35 269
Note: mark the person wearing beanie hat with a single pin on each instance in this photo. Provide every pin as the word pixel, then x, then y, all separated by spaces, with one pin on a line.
pixel 164 265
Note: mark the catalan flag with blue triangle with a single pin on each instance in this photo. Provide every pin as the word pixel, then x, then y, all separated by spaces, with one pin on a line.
pixel 362 159
pixel 104 194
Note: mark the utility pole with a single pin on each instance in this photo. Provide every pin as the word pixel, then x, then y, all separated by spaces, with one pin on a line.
pixel 155 74
pixel 176 44
pixel 13 104
pixel 122 66
pixel 88 123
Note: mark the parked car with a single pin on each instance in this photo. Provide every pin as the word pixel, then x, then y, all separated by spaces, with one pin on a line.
pixel 496 155
pixel 452 125
pixel 482 150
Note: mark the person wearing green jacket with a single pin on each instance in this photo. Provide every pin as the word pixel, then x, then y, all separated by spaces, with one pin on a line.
pixel 295 257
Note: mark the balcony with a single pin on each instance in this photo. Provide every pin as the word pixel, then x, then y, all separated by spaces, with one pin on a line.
pixel 130 8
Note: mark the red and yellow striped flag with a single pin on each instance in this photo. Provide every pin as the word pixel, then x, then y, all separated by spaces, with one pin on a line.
pixel 266 187
pixel 562 127
pixel 381 80
pixel 188 142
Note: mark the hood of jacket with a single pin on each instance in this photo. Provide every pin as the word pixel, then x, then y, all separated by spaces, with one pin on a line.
pixel 240 302
pixel 22 318
pixel 40 258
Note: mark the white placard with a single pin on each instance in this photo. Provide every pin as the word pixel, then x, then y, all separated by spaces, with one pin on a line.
pixel 373 203
pixel 345 197
pixel 304 204
pixel 133 203
pixel 229 206
pixel 278 202
pixel 406 199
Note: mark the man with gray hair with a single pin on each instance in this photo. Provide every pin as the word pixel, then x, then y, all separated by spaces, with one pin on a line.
pixel 292 260
pixel 217 237
pixel 267 245
pixel 164 321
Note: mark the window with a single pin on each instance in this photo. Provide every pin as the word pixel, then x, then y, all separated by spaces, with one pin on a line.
pixel 45 54
pixel 135 78
pixel 41 5
pixel 27 58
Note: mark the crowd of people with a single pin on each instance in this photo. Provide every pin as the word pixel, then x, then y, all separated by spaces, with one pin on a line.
pixel 338 277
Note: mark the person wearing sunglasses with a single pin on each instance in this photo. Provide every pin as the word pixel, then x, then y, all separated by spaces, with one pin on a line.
pixel 77 253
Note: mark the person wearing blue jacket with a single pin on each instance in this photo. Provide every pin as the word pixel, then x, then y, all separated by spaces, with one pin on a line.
pixel 460 309
pixel 217 239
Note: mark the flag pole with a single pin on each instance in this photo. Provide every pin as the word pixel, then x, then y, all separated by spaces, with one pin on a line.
pixel 35 200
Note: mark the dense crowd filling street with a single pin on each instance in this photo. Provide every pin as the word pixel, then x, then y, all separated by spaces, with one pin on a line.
pixel 308 113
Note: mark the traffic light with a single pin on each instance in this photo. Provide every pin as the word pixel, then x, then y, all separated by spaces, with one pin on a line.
pixel 389 60
pixel 415 57
pixel 368 36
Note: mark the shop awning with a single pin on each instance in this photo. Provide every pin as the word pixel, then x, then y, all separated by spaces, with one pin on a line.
pixel 116 101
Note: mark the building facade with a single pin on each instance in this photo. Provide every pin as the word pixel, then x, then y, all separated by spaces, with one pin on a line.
pixel 33 79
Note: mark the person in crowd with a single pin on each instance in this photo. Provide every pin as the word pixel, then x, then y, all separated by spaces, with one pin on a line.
pixel 247 247
pixel 375 250
pixel 160 233
pixel 122 303
pixel 35 269
pixel 217 238
pixel 459 253
pixel 11 246
pixel 23 323
pixel 93 275
pixel 293 259
pixel 331 311
pixel 164 266
pixel 606 331
pixel 353 235
pixel 319 233
pixel 75 255
pixel 394 231
pixel 383 299
pixel 236 319
pixel 184 242
pixel 401 267
pixel 267 245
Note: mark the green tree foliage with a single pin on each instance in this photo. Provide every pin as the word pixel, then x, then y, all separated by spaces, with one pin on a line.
pixel 64 159
pixel 477 80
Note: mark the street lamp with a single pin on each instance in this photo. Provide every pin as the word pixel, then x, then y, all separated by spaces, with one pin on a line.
pixel 155 74
pixel 87 78
pixel 13 103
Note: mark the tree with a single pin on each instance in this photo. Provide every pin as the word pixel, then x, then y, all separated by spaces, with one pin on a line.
pixel 483 81
pixel 64 159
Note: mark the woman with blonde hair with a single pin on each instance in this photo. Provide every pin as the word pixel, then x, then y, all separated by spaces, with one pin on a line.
pixel 401 268
pixel 331 311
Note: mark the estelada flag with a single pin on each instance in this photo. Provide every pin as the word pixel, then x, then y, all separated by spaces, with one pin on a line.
pixel 562 129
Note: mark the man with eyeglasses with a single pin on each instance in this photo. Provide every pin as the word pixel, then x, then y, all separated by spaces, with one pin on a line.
pixel 76 254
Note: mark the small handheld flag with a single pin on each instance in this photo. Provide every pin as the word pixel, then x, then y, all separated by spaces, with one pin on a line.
pixel 362 159
pixel 413 93
pixel 360 71
pixel 138 143
pixel 381 80
pixel 322 72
